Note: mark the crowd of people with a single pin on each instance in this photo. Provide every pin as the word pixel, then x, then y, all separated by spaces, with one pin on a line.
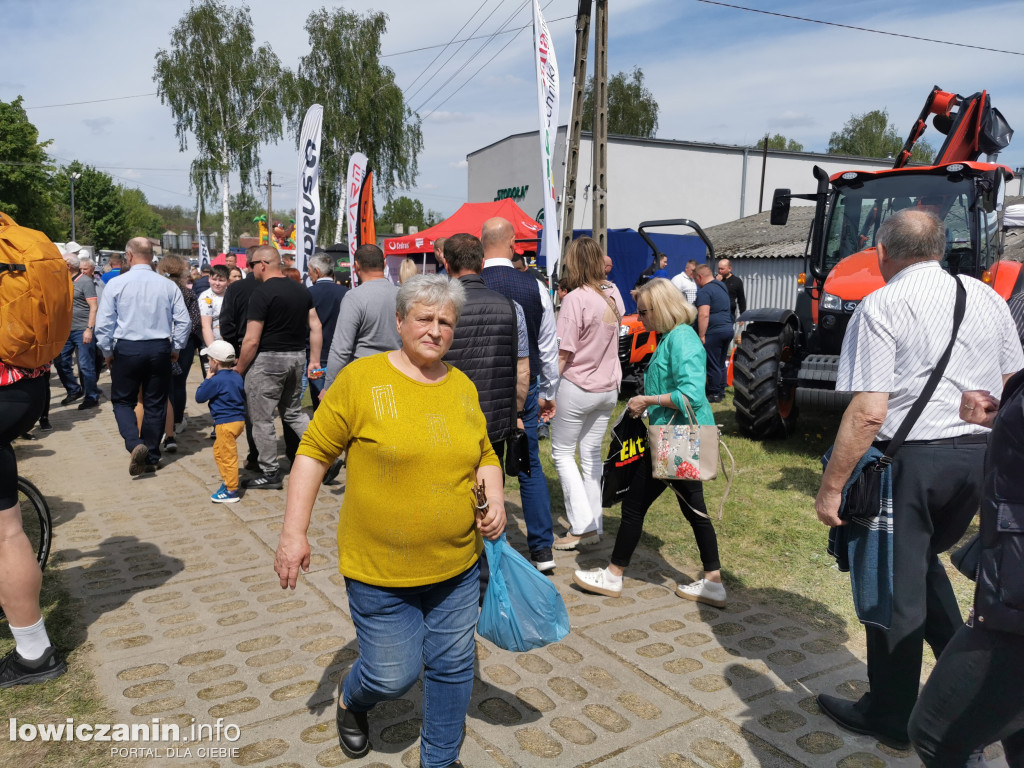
pixel 432 390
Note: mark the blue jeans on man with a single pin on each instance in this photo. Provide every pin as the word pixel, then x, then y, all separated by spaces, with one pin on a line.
pixel 402 631
pixel 533 488
pixel 86 367
pixel 716 344
pixel 141 367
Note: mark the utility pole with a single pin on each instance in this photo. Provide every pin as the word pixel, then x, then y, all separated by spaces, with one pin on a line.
pixel 764 167
pixel 572 135
pixel 599 145
pixel 270 208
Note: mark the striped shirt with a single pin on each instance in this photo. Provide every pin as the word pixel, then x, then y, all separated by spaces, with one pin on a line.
pixel 898 333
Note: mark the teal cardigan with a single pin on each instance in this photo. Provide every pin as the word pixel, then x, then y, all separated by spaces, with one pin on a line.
pixel 678 368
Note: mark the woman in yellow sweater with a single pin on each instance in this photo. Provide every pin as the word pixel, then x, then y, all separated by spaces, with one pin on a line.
pixel 409 533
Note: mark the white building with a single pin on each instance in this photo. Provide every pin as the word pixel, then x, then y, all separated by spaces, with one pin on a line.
pixel 652 178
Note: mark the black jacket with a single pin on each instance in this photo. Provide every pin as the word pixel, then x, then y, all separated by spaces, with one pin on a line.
pixel 999 594
pixel 234 311
pixel 485 348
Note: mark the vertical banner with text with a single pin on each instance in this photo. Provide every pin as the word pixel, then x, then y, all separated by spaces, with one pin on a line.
pixel 307 210
pixel 547 105
pixel 353 187
pixel 204 252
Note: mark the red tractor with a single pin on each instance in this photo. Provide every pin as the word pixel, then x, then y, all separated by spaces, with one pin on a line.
pixel 636 344
pixel 788 358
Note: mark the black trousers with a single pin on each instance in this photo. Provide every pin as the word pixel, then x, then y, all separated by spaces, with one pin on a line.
pixel 936 493
pixel 974 697
pixel 20 405
pixel 141 366
pixel 642 493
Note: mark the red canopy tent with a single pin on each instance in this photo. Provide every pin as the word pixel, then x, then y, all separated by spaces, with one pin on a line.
pixel 469 218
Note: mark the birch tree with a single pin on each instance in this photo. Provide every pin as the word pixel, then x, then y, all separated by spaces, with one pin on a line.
pixel 223 92
pixel 364 109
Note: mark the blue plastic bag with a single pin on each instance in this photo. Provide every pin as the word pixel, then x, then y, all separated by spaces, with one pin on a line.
pixel 522 609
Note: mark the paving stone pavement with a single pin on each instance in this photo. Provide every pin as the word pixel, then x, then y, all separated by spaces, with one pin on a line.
pixel 189 625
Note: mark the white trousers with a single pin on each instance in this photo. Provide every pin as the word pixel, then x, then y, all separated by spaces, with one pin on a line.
pixel 580 420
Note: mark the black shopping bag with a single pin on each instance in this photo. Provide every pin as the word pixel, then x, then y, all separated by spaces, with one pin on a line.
pixel 628 446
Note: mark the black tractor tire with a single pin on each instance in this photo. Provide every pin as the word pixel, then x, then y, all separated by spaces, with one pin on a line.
pixel 762 410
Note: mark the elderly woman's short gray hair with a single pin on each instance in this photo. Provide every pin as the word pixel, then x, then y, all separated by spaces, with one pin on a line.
pixel 430 291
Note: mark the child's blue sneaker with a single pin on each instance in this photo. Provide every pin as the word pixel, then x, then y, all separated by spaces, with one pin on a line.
pixel 224 496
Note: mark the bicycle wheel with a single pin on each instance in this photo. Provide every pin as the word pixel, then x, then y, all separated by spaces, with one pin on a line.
pixel 35 520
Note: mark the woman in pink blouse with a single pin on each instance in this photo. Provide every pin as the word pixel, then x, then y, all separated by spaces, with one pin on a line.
pixel 588 361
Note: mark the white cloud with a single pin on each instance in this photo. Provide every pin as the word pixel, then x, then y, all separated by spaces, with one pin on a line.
pixel 98 125
pixel 447 117
pixel 459 164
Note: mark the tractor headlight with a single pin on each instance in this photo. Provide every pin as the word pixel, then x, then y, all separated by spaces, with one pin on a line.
pixel 623 331
pixel 831 303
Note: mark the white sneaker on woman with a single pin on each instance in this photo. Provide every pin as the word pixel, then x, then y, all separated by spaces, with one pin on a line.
pixel 599 581
pixel 703 591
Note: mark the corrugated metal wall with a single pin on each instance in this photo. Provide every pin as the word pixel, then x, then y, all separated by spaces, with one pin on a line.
pixel 769 282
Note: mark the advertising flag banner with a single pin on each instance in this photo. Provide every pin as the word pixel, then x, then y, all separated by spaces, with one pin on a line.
pixel 353 186
pixel 204 252
pixel 367 227
pixel 547 105
pixel 307 210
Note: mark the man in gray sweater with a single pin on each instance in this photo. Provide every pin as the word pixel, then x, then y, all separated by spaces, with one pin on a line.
pixel 366 321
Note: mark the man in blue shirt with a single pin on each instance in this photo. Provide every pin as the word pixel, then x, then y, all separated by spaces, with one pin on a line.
pixel 141 327
pixel 116 265
pixel 327 296
pixel 714 326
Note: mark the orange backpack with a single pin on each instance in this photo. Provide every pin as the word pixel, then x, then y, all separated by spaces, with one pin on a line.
pixel 35 297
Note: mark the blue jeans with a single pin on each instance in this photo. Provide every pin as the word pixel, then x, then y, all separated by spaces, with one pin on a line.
pixel 404 630
pixel 86 366
pixel 716 344
pixel 533 489
pixel 141 366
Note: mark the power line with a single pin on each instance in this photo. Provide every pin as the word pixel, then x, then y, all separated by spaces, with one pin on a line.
pixel 476 53
pixel 484 66
pixel 445 46
pixel 859 29
pixel 92 101
pixel 458 50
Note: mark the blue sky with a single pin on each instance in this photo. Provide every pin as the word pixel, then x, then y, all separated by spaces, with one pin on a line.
pixel 719 74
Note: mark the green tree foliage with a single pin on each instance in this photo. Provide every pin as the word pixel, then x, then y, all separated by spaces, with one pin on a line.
pixel 778 141
pixel 365 110
pixel 140 218
pixel 632 109
pixel 223 91
pixel 872 135
pixel 100 215
pixel 25 170
pixel 405 210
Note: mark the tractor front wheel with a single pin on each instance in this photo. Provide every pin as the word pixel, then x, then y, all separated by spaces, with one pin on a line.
pixel 765 407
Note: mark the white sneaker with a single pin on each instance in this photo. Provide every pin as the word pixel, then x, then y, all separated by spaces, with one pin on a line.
pixel 179 428
pixel 703 591
pixel 598 581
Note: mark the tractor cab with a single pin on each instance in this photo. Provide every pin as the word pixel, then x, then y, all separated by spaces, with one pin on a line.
pixel 967 197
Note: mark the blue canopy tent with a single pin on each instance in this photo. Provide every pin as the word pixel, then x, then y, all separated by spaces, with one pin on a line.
pixel 631 256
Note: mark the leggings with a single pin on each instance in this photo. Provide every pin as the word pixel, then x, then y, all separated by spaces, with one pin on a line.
pixel 642 492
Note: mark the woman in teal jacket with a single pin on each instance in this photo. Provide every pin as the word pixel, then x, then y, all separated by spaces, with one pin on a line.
pixel 676 373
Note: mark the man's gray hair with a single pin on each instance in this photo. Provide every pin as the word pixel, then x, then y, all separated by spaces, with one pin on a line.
pixel 83 260
pixel 913 235
pixel 430 291
pixel 320 261
pixel 72 260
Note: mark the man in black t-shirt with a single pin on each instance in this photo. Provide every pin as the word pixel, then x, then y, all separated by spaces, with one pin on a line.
pixel 737 299
pixel 272 359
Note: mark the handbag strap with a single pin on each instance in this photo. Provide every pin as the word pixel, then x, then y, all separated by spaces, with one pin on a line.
pixel 933 380
pixel 691 414
pixel 728 483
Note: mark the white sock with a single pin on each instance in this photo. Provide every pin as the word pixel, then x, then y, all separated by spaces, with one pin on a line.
pixel 611 577
pixel 32 642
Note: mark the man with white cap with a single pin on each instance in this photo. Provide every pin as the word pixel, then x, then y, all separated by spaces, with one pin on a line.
pixel 224 390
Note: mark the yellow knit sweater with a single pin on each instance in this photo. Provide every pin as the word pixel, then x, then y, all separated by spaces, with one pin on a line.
pixel 408 515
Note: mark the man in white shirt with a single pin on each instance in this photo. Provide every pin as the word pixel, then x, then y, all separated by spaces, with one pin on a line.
pixel 499 242
pixel 685 283
pixel 893 342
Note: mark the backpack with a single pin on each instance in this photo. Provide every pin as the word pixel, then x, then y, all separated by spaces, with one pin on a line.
pixel 35 297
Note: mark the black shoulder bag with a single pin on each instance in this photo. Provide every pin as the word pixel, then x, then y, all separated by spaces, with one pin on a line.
pixel 863 495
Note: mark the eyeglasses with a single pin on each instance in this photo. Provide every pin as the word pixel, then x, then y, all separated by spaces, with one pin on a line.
pixel 259 261
pixel 642 312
